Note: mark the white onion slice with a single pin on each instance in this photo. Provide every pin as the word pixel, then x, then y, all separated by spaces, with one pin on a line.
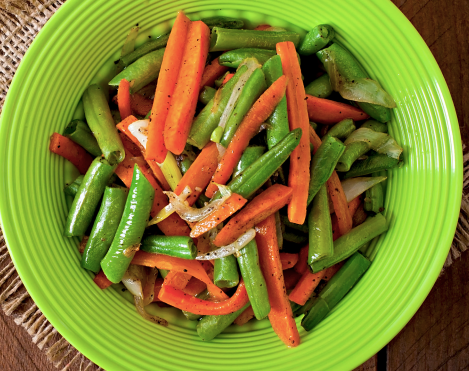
pixel 133 284
pixel 354 187
pixel 169 209
pixel 139 305
pixel 139 129
pixel 221 151
pixel 367 91
pixel 230 249
pixel 191 214
pixel 379 142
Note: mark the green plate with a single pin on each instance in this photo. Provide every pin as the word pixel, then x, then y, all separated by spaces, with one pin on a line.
pixel 422 200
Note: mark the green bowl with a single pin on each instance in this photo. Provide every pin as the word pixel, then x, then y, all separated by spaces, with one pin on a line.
pixel 422 197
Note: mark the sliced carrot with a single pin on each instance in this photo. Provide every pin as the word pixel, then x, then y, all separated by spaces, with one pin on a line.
pixel 130 146
pixel 186 94
pixel 123 127
pixel 329 272
pixel 352 209
pixel 199 173
pixel 167 79
pixel 262 27
pixel 101 280
pixel 179 299
pixel 194 287
pixel 280 316
pixel 212 72
pixel 291 278
pixel 329 112
pixel 192 267
pixel 71 151
pixel 158 173
pixel 228 208
pixel 360 216
pixel 261 206
pixel 228 78
pixel 178 280
pixel 248 128
pixel 302 266
pixel 288 260
pixel 335 190
pixel 314 139
pixel 245 316
pixel 140 104
pixel 305 286
pixel 298 118
pixel 123 99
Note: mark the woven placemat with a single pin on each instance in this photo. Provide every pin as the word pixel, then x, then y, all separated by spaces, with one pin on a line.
pixel 20 21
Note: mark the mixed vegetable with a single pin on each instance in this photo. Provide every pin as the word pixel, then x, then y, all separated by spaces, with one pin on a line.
pixel 215 182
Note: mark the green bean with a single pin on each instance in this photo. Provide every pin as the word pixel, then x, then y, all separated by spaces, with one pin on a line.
pixel 88 196
pixel 225 272
pixel 178 246
pixel 316 39
pixel 204 295
pixel 313 125
pixel 101 123
pixel 350 69
pixel 209 117
pixel 335 290
pixel 349 243
pixel 278 121
pixel 323 163
pixel 210 326
pixel 250 154
pixel 251 91
pixel 295 237
pixel 256 287
pixel 149 46
pixel 372 164
pixel 320 228
pixel 81 134
pixel 252 178
pixel 299 227
pixel 131 227
pixel 375 125
pixel 225 39
pixel 233 58
pixel 374 199
pixel 342 129
pixel 73 187
pixel 104 228
pixel 352 152
pixel 225 22
pixel 206 94
pixel 321 87
pixel 141 72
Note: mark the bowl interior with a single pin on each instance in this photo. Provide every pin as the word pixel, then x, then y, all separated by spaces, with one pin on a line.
pixel 422 197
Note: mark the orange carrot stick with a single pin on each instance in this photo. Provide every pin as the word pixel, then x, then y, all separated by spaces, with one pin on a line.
pixel 186 93
pixel 302 266
pixel 73 152
pixel 228 78
pixel 123 127
pixel 177 279
pixel 199 173
pixel 123 99
pixel 140 104
pixel 339 200
pixel 101 280
pixel 158 173
pixel 245 316
pixel 195 286
pixel 228 208
pixel 298 118
pixel 291 278
pixel 262 27
pixel 212 72
pixel 130 146
pixel 261 206
pixel 352 208
pixel 305 286
pixel 192 267
pixel 314 139
pixel 288 260
pixel 329 112
pixel 248 128
pixel 179 299
pixel 167 79
pixel 280 315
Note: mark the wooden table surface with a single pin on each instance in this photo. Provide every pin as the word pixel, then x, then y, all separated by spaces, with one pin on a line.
pixel 437 337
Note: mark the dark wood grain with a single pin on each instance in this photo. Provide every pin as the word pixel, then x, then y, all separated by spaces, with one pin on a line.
pixel 437 337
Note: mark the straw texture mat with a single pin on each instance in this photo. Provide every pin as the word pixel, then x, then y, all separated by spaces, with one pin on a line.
pixel 20 21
